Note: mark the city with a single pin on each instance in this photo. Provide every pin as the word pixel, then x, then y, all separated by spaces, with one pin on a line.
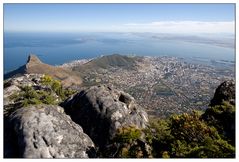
pixel 163 85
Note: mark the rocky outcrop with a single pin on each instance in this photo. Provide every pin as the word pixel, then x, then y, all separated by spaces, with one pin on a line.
pixel 34 128
pixel 45 131
pixel 34 65
pixel 13 86
pixel 101 110
pixel 224 92
pixel 33 60
pixel 222 114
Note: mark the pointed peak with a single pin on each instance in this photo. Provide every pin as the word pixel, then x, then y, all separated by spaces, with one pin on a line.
pixel 33 59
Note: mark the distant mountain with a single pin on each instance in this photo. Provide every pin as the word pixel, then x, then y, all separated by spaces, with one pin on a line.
pixel 34 65
pixel 104 62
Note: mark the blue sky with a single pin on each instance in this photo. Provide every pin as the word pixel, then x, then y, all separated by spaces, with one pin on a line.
pixel 166 18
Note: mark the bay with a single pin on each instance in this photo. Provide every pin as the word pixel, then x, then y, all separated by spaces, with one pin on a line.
pixel 59 48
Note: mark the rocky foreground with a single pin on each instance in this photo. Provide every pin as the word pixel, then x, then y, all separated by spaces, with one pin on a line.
pixel 46 131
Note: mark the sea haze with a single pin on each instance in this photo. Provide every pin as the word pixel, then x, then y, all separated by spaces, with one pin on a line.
pixel 59 48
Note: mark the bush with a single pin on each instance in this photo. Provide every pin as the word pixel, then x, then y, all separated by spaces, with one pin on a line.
pixel 46 80
pixel 126 144
pixel 56 87
pixel 190 128
pixel 213 149
pixel 29 96
pixel 46 95
pixel 158 135
pixel 126 137
pixel 222 117
pixel 127 134
pixel 187 136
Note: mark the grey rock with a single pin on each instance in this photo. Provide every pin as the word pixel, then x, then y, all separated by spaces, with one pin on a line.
pixel 45 131
pixel 13 85
pixel 13 89
pixel 101 110
pixel 224 92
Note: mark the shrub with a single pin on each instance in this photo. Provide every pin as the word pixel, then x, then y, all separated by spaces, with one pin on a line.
pixel 190 128
pixel 56 87
pixel 213 149
pixel 158 135
pixel 47 95
pixel 126 144
pixel 195 138
pixel 46 80
pixel 187 136
pixel 30 96
pixel 222 117
pixel 127 134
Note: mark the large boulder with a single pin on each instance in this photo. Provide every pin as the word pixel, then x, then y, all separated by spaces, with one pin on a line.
pixel 45 131
pixel 224 92
pixel 222 112
pixel 101 110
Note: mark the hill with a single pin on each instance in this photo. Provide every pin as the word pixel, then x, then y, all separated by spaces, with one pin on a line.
pixel 35 65
pixel 104 62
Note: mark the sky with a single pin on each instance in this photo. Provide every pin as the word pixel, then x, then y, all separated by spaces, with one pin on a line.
pixel 160 18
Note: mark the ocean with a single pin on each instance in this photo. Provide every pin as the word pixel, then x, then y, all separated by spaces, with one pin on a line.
pixel 59 48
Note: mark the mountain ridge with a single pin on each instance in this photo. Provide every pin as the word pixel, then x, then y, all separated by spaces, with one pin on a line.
pixel 35 65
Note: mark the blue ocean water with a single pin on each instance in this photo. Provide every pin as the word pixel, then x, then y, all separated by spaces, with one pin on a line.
pixel 59 48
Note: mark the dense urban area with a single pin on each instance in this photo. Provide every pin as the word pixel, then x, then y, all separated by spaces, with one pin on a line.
pixel 164 85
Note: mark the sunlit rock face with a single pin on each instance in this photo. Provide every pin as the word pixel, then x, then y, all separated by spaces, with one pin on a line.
pixel 101 110
pixel 45 131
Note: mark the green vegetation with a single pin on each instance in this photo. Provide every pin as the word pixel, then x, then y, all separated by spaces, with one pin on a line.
pixel 105 62
pixel 192 136
pixel 198 135
pixel 157 136
pixel 50 91
pixel 30 96
pixel 187 136
pixel 56 87
pixel 136 90
pixel 126 137
pixel 128 144
pixel 223 118
pixel 114 60
pixel 127 134
pixel 162 90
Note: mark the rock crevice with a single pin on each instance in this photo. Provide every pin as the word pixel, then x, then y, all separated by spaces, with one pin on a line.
pixel 101 110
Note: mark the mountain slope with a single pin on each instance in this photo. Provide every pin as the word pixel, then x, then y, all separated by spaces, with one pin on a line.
pixel 104 62
pixel 34 65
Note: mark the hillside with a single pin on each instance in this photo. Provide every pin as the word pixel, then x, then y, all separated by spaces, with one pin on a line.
pixel 104 62
pixel 34 65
